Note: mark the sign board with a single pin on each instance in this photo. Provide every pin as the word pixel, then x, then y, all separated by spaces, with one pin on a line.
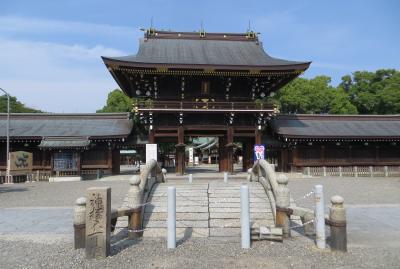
pixel 190 155
pixel 196 160
pixel 151 152
pixel 20 162
pixel 259 152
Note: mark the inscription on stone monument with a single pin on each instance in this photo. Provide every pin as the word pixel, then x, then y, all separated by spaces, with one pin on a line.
pixel 98 220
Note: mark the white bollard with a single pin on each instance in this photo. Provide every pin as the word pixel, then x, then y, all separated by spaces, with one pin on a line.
pixel 319 216
pixel 171 217
pixel 226 177
pixel 245 215
pixel 190 178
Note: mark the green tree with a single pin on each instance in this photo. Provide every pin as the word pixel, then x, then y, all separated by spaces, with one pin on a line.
pixel 15 106
pixel 117 101
pixel 373 92
pixel 314 96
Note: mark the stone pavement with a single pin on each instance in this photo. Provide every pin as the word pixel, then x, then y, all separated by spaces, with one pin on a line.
pixel 205 209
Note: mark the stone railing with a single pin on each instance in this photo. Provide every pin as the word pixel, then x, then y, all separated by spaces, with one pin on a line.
pixel 140 188
pixel 264 172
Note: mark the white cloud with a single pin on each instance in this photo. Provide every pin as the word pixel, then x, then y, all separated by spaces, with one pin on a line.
pixel 56 77
pixel 23 25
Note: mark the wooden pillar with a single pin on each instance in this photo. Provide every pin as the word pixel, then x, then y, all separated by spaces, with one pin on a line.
pixel 51 162
pixel 43 164
pixel 78 163
pixel 284 159
pixel 180 152
pixel 247 155
pixel 109 158
pixel 350 155
pixel 323 154
pixel 151 136
pixel 116 161
pixel 257 135
pixel 222 154
pixel 377 153
pixel 229 150
pixel 295 155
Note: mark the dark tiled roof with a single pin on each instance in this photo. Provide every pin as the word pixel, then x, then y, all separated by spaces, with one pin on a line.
pixel 38 125
pixel 234 51
pixel 338 126
pixel 64 142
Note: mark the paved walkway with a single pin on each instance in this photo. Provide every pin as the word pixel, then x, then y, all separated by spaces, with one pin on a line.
pixel 205 209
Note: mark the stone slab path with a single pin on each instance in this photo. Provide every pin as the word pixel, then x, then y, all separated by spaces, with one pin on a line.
pixel 205 209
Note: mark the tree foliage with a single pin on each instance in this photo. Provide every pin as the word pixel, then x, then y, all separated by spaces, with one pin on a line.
pixel 15 106
pixel 117 101
pixel 314 96
pixel 362 92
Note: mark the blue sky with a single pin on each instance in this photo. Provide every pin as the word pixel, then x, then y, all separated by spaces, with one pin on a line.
pixel 50 50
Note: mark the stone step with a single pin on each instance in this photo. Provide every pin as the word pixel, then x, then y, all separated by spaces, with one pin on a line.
pixel 182 194
pixel 237 209
pixel 180 202
pixel 235 191
pixel 236 200
pixel 182 209
pixel 216 232
pixel 235 223
pixel 165 198
pixel 180 232
pixel 179 216
pixel 232 215
pixel 252 205
pixel 179 223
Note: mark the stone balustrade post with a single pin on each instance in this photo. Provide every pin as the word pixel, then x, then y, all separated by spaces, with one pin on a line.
pixel 79 223
pixel 355 171
pixel 134 201
pixel 340 171
pixel 386 171
pixel 282 205
pixel 337 223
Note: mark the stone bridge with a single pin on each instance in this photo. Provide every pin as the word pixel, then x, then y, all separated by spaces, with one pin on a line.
pixel 206 207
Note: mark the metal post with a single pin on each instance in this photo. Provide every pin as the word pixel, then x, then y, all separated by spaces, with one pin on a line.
pixel 8 179
pixel 190 178
pixel 245 215
pixel 319 216
pixel 171 217
pixel 226 177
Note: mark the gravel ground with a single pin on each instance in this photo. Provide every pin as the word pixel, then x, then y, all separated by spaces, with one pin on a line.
pixel 294 253
pixel 354 190
pixel 56 251
pixel 44 194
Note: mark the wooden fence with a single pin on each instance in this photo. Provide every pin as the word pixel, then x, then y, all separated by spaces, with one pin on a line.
pixel 352 171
